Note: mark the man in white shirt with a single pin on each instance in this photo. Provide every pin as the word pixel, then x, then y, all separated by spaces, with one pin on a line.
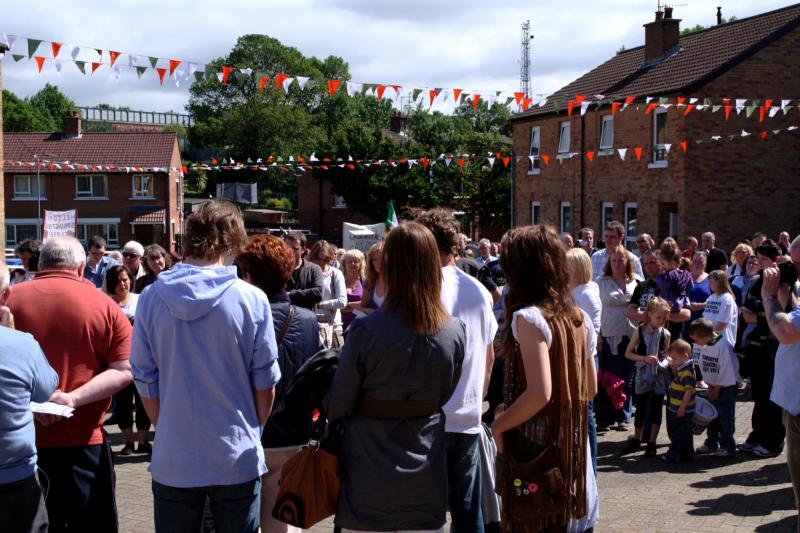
pixel 484 250
pixel 465 298
pixel 612 237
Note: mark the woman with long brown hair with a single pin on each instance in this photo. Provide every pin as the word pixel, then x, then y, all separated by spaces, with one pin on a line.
pixel 375 290
pixel 550 377
pixel 399 366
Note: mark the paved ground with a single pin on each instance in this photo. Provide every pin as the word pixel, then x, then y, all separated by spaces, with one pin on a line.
pixel 740 494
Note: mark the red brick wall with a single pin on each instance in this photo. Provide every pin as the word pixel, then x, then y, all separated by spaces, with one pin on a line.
pixel 733 188
pixel 318 214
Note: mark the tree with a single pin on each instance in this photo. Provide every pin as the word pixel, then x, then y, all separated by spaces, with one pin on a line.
pixel 44 111
pixel 700 27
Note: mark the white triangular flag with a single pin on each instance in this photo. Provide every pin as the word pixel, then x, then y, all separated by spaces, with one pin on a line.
pixel 740 102
pixel 584 107
pixel 246 71
pixel 445 96
pixel 716 138
pixel 773 111
pixel 666 106
pixel 117 71
pixel 791 128
pixel 313 157
pixel 191 68
pixel 287 83
pixel 667 147
pixel 219 76
pixel 411 162
pixel 648 99
pixel 491 161
pixel 349 157
pixel 301 81
pixel 448 160
pixel 622 152
pixel 745 134
pixel 542 102
pixel 784 103
pixel 693 100
pixel 59 65
pixel 533 160
pixel 132 61
pixel 353 88
pixel 74 51
pixel 599 96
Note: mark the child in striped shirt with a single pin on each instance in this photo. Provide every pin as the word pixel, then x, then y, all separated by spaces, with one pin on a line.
pixel 680 405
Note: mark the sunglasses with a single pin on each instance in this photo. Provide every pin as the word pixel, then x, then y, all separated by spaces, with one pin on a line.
pixel 129 255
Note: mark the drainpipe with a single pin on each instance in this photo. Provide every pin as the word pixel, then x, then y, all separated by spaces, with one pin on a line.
pixel 513 189
pixel 584 180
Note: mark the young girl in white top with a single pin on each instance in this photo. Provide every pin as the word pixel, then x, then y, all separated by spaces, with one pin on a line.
pixel 721 306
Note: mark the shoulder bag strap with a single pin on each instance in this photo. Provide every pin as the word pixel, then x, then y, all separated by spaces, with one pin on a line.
pixel 285 327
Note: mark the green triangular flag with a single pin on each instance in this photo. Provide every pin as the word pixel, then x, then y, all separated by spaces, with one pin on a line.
pixel 755 103
pixel 415 94
pixel 33 45
pixel 663 100
pixel 210 71
pixel 715 108
pixel 99 52
pixel 749 110
pixel 81 66
pixel 707 101
pixel 367 86
pixel 140 71
pixel 775 132
pixel 153 61
pixel 498 93
pixel 199 75
pixel 391 217
pixel 787 108
pixel 18 57
pixel 508 100
pixel 557 104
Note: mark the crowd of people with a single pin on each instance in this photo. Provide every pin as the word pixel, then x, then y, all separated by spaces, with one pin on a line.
pixel 245 349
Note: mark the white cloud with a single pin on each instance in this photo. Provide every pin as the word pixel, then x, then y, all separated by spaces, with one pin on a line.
pixel 469 44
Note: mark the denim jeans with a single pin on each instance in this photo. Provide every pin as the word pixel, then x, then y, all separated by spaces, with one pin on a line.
pixel 464 481
pixel 681 445
pixel 235 507
pixel 721 429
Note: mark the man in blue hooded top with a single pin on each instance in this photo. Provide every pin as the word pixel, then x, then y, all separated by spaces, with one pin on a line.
pixel 204 360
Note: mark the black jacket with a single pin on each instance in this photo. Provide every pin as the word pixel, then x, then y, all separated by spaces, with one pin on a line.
pixel 299 344
pixel 305 285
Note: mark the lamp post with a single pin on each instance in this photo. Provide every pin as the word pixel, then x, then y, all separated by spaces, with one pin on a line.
pixel 38 200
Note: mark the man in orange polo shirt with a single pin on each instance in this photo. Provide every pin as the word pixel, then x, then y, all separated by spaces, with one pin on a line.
pixel 86 338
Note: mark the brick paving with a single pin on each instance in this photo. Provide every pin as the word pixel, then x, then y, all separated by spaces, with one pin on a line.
pixel 739 494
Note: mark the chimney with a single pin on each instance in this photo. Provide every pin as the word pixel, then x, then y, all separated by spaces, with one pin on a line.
pixel 719 15
pixel 72 123
pixel 660 35
pixel 397 122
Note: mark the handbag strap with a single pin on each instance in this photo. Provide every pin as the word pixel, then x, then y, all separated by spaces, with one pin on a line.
pixel 285 327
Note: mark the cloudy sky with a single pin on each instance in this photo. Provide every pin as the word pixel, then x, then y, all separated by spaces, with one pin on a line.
pixel 468 44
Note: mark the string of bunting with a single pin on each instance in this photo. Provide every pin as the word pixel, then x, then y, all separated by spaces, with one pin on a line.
pixel 187 71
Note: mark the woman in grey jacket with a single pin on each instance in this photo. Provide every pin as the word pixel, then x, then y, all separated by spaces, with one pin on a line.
pixel 399 366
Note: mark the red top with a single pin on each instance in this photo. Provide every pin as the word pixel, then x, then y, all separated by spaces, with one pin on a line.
pixel 81 330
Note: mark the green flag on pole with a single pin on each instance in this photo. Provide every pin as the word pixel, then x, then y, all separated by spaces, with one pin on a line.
pixel 391 217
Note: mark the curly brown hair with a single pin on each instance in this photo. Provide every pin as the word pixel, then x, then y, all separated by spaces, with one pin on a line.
pixel 214 230
pixel 444 227
pixel 268 261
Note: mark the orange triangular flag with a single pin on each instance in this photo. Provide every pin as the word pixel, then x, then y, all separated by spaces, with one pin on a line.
pixel 279 79
pixel 570 107
pixel 689 109
pixel 226 72
pixel 56 49
pixel 333 85
pixel 763 135
pixel 497 155
pixel 629 100
pixel 184 169
pixel 762 112
pixel 432 94
pixel 456 94
pixel 461 163
pixel 526 103
pixel 379 91
pixel 425 161
pixel 579 98
pixel 681 100
pixel 590 155
pixel 475 99
pixel 39 62
pixel 505 161
pixel 161 71
pixel 728 111
pixel 768 103
pixel 638 151
pixel 546 159
pixel 650 108
pixel 614 107
pixel 173 64
pixel 114 55
pixel 518 97
pixel 684 146
pixel 263 83
pixel 95 66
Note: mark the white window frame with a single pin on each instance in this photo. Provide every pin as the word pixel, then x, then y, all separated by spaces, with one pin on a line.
pixel 659 154
pixel 111 241
pixel 338 202
pixel 607 127
pixel 630 237
pixel 79 195
pixel 603 208
pixel 536 206
pixel 564 227
pixel 535 151
pixel 12 223
pixel 564 126
pixel 31 179
pixel 142 194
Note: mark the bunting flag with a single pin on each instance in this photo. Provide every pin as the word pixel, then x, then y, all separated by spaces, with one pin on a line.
pixel 173 64
pixel 505 161
pixel 154 61
pixel 476 98
pixel 263 83
pixel 226 73
pixel 590 155
pixel 615 107
pixel 56 48
pixel 279 79
pixel 81 66
pixel 113 55
pixel 622 152
pixel 333 85
pixel 518 97
pixel 33 45
pixel 161 71
pixel 637 150
pixel 456 95
pixel 95 66
pixel 684 146
pixel 39 62
pixel 546 159
pixel 379 91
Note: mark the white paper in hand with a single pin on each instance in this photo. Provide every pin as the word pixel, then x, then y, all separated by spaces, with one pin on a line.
pixel 50 408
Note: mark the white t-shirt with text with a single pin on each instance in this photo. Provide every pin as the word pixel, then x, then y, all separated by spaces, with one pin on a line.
pixel 722 308
pixel 718 364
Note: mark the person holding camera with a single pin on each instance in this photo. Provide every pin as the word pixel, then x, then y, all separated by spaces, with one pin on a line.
pixel 778 287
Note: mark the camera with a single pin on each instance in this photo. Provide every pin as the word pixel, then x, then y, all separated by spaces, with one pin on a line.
pixel 788 272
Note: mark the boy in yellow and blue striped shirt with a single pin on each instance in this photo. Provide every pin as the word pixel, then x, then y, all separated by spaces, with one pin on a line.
pixel 680 405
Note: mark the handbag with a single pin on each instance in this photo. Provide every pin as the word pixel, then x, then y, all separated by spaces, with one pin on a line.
pixel 309 487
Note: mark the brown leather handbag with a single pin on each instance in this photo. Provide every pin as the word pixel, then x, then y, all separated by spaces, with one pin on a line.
pixel 309 488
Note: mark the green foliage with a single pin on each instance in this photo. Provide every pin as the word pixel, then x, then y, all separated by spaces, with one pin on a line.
pixel 177 128
pixel 98 127
pixel 278 203
pixel 42 112
pixel 700 27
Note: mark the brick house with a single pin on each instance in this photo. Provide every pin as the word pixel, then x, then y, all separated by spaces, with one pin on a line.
pixel 120 205
pixel 734 187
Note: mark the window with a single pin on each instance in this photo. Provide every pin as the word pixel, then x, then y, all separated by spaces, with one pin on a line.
pixel 659 138
pixel 91 186
pixel 25 188
pixel 142 185
pixel 106 229
pixel 18 232
pixel 566 217
pixel 563 138
pixel 631 225
pixel 607 133
pixel 536 162
pixel 338 202
pixel 536 213
pixel 606 216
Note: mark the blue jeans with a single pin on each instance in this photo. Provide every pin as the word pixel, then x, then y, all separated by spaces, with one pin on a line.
pixel 464 482
pixel 235 507
pixel 623 368
pixel 721 429
pixel 681 445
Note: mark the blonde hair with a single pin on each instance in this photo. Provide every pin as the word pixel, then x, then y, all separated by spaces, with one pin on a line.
pixel 723 285
pixel 579 266
pixel 372 274
pixel 356 254
pixel 741 246
pixel 680 347
pixel 654 306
